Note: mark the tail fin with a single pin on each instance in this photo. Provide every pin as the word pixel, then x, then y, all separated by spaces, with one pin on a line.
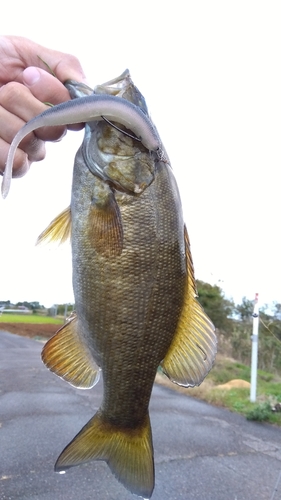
pixel 128 452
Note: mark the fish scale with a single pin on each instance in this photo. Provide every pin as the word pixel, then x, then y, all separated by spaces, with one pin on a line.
pixel 112 293
pixel 133 282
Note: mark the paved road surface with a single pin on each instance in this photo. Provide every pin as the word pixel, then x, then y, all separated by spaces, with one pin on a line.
pixel 201 452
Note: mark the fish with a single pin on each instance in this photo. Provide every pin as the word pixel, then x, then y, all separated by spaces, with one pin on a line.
pixel 136 307
pixel 91 107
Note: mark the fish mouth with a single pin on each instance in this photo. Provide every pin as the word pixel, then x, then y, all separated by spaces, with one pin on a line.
pixel 116 85
pixel 123 86
pixel 77 89
pixel 130 171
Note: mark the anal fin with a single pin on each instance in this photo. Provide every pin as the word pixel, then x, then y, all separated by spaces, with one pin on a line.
pixel 67 356
pixel 193 349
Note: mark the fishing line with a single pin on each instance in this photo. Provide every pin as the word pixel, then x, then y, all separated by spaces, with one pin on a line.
pixel 278 340
pixel 120 129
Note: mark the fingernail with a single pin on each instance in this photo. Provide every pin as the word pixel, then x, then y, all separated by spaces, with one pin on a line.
pixel 31 76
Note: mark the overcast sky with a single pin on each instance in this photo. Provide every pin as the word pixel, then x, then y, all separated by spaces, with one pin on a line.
pixel 210 73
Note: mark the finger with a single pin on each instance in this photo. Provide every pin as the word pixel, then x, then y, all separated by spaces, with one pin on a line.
pixel 13 115
pixel 21 162
pixel 31 145
pixel 9 126
pixel 20 102
pixel 64 66
pixel 46 88
pixel 25 53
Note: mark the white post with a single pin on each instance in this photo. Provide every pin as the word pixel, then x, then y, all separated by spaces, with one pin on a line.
pixel 254 338
pixel 65 311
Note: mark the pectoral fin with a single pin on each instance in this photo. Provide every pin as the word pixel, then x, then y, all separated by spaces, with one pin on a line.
pixel 68 356
pixel 105 223
pixel 192 352
pixel 58 230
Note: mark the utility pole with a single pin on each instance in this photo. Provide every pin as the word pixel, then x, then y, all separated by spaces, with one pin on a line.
pixel 255 344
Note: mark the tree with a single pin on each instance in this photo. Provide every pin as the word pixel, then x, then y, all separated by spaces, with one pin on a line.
pixel 218 308
pixel 245 309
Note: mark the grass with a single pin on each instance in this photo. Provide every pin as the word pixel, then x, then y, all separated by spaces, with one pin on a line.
pixel 237 399
pixel 29 318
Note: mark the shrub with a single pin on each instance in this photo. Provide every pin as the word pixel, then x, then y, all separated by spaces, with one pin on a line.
pixel 260 412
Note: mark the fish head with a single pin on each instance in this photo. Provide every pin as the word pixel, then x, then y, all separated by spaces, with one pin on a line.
pixel 123 86
pixel 126 162
pixel 111 151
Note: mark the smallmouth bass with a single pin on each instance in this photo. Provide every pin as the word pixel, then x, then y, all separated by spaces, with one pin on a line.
pixel 133 282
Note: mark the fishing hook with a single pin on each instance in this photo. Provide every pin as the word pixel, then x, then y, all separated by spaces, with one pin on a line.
pixel 120 129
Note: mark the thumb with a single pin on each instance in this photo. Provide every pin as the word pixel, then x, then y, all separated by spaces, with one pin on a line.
pixel 48 89
pixel 65 66
pixel 44 86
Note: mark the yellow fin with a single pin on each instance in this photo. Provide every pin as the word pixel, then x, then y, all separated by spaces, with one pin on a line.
pixel 128 452
pixel 59 229
pixel 105 227
pixel 193 349
pixel 67 356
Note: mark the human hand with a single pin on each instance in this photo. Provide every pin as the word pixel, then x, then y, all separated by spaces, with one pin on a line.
pixel 25 85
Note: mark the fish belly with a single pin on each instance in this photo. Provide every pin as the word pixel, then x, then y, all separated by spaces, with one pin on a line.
pixel 128 305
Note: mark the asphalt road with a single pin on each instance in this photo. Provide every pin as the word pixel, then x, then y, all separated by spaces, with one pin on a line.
pixel 201 452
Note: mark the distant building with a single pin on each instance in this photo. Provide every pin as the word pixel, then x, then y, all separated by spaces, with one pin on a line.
pixel 16 311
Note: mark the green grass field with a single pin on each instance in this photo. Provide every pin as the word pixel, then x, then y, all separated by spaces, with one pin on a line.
pixel 29 318
pixel 237 399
